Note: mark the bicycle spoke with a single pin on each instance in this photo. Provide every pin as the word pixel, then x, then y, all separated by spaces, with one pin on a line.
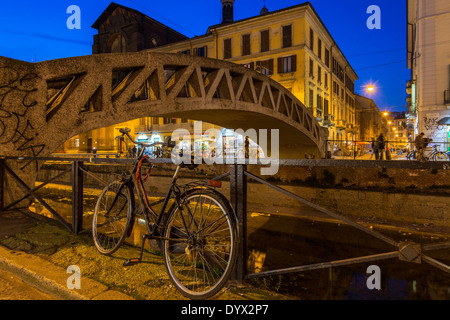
pixel 199 265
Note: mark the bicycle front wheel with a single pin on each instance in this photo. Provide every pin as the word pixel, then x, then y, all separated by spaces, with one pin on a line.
pixel 112 217
pixel 201 252
pixel 440 156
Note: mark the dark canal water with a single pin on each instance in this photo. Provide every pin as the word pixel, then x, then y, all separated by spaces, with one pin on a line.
pixel 277 241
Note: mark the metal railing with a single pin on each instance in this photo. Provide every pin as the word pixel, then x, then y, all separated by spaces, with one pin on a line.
pixel 364 150
pixel 238 176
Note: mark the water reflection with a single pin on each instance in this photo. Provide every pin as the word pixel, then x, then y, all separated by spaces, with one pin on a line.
pixel 281 241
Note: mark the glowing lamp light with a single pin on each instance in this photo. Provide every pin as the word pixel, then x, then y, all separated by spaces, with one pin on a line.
pixel 370 88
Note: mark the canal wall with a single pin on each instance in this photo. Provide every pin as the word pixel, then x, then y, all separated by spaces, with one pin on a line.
pixel 373 190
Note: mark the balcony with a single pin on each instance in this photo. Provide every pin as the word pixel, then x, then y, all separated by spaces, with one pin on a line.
pixel 328 120
pixel 409 87
pixel 447 96
pixel 341 124
pixel 319 115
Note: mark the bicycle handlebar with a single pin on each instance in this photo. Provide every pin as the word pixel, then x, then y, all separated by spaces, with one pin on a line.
pixel 126 132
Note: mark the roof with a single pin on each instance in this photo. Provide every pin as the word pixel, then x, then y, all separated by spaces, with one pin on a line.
pixel 113 6
pixel 108 11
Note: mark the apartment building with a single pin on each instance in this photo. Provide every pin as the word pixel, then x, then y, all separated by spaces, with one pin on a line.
pixel 428 45
pixel 291 45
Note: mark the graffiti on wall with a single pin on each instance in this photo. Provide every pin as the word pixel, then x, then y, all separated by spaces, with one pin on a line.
pixel 15 126
pixel 433 130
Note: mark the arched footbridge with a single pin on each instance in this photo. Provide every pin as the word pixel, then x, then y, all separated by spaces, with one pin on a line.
pixel 44 104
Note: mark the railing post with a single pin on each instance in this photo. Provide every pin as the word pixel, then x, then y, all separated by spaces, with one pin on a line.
pixel 77 197
pixel 238 194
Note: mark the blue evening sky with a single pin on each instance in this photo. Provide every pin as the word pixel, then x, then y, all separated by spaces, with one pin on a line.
pixel 37 31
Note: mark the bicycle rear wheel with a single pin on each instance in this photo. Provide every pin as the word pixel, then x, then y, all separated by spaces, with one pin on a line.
pixel 201 253
pixel 411 155
pixel 112 217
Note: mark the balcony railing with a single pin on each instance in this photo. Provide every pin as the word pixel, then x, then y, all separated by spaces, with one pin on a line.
pixel 341 124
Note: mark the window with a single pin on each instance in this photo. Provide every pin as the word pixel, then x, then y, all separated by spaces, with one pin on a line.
pixel 287 36
pixel 245 44
pixel 327 57
pixel 319 74
pixel 325 106
pixel 311 39
pixel 250 65
pixel 201 51
pixel 326 79
pixel 319 102
pixel 265 67
pixel 187 52
pixel 311 68
pixel 227 49
pixel 117 43
pixel 311 98
pixel 287 64
pixel 319 49
pixel 265 40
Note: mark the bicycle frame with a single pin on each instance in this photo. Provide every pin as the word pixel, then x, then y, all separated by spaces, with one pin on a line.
pixel 136 183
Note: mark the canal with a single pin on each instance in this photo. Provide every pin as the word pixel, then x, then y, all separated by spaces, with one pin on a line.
pixel 282 240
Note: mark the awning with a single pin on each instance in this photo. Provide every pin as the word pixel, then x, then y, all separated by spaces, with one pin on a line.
pixel 444 121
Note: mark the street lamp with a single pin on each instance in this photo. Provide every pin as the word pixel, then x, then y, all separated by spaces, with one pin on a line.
pixel 370 88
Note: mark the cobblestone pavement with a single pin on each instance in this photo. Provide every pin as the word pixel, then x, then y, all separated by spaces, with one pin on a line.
pixel 13 288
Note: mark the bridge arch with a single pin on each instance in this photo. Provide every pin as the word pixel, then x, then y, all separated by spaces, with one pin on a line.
pixel 42 105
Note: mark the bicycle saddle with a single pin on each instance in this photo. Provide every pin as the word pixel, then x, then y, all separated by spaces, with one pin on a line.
pixel 124 130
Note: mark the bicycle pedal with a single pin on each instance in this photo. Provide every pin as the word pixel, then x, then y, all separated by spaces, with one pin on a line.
pixel 131 262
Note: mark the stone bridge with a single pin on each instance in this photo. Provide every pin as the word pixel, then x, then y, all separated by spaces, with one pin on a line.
pixel 44 104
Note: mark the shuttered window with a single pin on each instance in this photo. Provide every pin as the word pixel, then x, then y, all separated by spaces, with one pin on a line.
pixel 287 64
pixel 245 44
pixel 265 41
pixel 265 67
pixel 227 49
pixel 311 39
pixel 287 36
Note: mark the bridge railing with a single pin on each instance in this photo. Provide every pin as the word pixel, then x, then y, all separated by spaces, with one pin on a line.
pixel 366 150
pixel 238 176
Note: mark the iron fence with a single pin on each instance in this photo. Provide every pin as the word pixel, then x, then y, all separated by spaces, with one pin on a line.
pixel 238 176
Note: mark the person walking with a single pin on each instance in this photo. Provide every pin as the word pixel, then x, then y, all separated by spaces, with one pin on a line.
pixel 375 150
pixel 381 146
pixel 421 143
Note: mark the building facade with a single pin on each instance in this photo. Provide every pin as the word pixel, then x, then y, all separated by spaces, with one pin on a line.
pixel 294 48
pixel 291 45
pixel 369 119
pixel 397 131
pixel 429 60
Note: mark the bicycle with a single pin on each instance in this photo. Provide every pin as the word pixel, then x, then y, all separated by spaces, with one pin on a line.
pixel 433 155
pixel 197 233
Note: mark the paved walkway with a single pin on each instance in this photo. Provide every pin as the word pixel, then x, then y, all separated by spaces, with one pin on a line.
pixel 39 251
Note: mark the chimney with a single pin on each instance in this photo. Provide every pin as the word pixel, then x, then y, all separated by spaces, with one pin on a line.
pixel 227 11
